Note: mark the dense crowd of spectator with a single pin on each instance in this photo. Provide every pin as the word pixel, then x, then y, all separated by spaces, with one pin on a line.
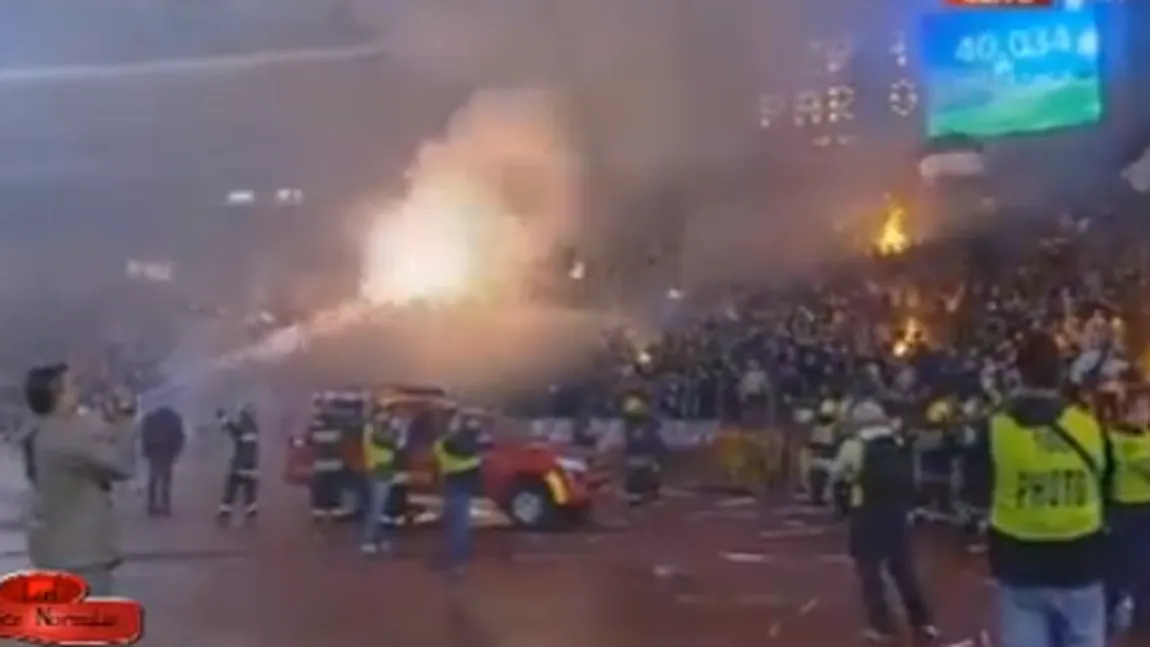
pixel 938 320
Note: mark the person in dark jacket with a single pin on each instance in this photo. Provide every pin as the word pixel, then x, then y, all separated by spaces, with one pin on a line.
pixel 876 465
pixel 162 437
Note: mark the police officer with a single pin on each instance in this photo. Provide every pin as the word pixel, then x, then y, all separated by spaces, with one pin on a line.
pixel 384 437
pixel 1050 468
pixel 642 450
pixel 1130 519
pixel 332 412
pixel 876 463
pixel 458 459
pixel 822 446
pixel 242 480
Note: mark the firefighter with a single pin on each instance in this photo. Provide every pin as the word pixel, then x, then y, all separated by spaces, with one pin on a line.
pixel 1130 519
pixel 935 457
pixel 642 450
pixel 974 471
pixel 458 457
pixel 876 464
pixel 325 437
pixel 822 445
pixel 384 438
pixel 241 485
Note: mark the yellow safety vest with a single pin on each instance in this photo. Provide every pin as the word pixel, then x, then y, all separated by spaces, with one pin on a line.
pixel 1131 457
pixel 1044 490
pixel 451 464
pixel 376 454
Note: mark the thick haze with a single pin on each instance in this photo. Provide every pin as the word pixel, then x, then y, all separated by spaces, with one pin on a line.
pixel 661 94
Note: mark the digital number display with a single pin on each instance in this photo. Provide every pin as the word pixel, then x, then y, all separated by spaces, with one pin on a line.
pixel 828 107
pixel 1001 72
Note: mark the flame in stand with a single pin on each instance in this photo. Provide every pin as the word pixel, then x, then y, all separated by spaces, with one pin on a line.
pixel 892 239
pixel 912 331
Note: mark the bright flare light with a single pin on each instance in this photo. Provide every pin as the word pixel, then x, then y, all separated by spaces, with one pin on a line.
pixel 426 248
pixel 912 331
pixel 483 201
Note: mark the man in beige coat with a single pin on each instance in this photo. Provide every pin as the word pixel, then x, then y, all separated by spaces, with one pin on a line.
pixel 78 456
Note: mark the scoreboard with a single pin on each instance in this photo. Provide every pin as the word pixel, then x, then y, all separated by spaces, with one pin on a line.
pixel 841 88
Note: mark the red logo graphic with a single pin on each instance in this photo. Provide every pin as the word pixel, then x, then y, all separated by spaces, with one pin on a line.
pixel 53 608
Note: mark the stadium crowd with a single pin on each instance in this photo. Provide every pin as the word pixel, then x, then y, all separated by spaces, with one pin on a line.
pixel 939 320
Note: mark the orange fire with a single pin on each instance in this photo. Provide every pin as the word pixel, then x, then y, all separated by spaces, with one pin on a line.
pixel 892 239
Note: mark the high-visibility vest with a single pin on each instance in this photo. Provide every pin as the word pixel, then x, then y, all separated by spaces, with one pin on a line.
pixel 1131 457
pixel 1043 489
pixel 451 464
pixel 376 453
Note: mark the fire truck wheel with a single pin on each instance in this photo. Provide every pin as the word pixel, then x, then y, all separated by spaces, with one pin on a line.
pixel 530 506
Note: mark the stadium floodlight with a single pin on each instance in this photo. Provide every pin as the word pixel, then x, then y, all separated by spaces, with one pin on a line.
pixel 241 197
pixel 288 197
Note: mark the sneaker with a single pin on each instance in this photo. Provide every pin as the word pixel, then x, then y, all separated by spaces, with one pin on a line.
pixel 876 636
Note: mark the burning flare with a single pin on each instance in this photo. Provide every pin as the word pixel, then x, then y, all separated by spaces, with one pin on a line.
pixel 911 334
pixel 483 203
pixel 892 239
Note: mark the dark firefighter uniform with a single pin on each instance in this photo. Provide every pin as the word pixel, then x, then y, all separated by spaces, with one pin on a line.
pixel 935 453
pixel 822 446
pixel 642 450
pixel 1130 521
pixel 877 465
pixel 458 458
pixel 336 414
pixel 975 470
pixel 1050 465
pixel 241 485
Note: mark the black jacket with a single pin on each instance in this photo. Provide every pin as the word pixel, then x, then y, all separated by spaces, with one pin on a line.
pixel 162 435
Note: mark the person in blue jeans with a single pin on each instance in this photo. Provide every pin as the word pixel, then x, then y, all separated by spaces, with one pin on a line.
pixel 1051 470
pixel 458 458
pixel 384 440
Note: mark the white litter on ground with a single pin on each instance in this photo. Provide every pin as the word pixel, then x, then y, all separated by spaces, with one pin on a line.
pixel 759 600
pixel 736 502
pixel 984 638
pixel 747 558
pixel 791 533
pixel 773 632
pixel 695 599
pixel 962 643
pixel 709 515
pixel 810 605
